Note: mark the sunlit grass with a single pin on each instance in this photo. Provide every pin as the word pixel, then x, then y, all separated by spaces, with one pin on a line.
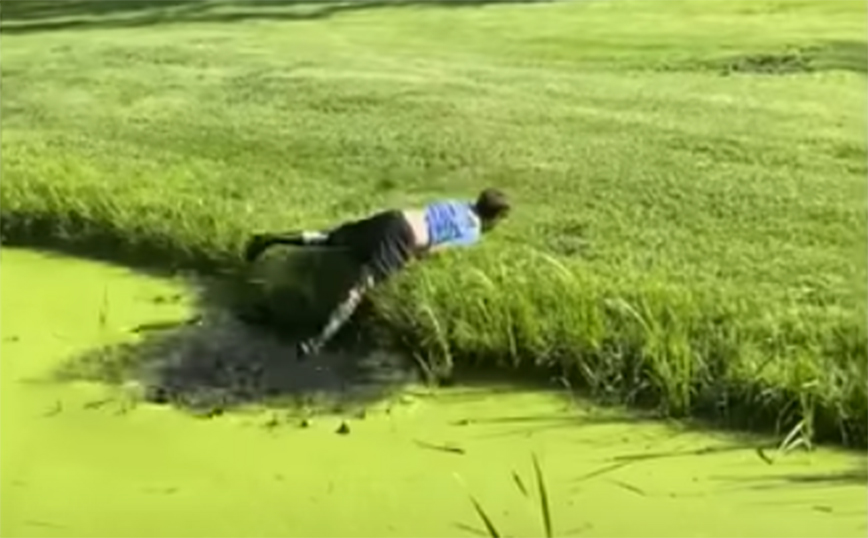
pixel 688 178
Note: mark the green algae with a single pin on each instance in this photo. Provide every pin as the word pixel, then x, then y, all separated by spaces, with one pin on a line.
pixel 86 459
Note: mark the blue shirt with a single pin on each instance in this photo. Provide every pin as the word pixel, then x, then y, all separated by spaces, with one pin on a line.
pixel 452 222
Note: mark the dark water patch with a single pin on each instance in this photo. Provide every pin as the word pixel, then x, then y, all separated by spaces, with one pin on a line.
pixel 240 346
pixel 220 363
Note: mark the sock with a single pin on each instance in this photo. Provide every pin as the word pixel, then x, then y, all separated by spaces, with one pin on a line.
pixel 313 238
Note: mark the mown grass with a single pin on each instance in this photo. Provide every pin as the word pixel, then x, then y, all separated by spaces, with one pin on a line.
pixel 689 177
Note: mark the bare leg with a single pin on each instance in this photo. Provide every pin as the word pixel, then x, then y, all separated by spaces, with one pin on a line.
pixel 338 318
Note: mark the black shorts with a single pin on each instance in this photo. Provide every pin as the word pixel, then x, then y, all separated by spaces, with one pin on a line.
pixel 382 244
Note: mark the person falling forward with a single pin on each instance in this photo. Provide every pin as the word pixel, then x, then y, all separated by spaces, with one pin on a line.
pixel 386 242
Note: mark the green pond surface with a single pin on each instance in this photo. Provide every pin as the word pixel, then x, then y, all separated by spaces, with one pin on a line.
pixel 84 459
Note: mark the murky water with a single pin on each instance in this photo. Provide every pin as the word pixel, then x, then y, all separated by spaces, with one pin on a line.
pixel 86 459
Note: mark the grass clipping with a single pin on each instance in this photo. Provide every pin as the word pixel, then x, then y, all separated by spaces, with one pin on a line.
pixel 544 507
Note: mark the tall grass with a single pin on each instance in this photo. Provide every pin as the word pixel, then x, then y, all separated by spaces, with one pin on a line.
pixel 689 229
pixel 687 352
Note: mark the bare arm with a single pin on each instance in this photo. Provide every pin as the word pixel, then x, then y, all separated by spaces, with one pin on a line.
pixel 341 314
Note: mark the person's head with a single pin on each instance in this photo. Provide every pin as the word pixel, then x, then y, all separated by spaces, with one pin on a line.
pixel 492 206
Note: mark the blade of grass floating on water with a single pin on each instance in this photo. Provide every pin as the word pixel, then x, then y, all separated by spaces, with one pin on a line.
pixel 628 487
pixel 442 448
pixel 471 530
pixel 489 524
pixel 577 530
pixel 763 456
pixel 519 484
pixel 603 470
pixel 103 310
pixel 543 497
pixel 158 326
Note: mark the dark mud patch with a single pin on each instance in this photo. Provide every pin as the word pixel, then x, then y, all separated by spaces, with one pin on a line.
pixel 239 346
pixel 218 362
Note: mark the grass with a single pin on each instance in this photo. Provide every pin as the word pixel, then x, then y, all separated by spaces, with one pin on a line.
pixel 544 507
pixel 689 176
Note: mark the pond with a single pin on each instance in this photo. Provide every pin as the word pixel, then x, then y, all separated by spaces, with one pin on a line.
pixel 84 458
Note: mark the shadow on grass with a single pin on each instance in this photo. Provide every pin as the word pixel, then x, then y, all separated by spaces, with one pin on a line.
pixel 23 16
pixel 832 55
pixel 842 54
pixel 239 348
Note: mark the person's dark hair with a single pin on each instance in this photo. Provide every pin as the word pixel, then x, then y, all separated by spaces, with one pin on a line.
pixel 492 204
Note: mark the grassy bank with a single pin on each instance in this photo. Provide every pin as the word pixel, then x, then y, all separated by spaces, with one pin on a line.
pixel 689 177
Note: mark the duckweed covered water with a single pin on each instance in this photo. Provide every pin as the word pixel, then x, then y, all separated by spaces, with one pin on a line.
pixel 84 459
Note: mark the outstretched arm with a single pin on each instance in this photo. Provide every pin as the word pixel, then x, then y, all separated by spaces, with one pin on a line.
pixel 338 317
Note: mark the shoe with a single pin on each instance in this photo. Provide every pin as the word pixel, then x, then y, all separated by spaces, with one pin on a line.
pixel 256 246
pixel 305 349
